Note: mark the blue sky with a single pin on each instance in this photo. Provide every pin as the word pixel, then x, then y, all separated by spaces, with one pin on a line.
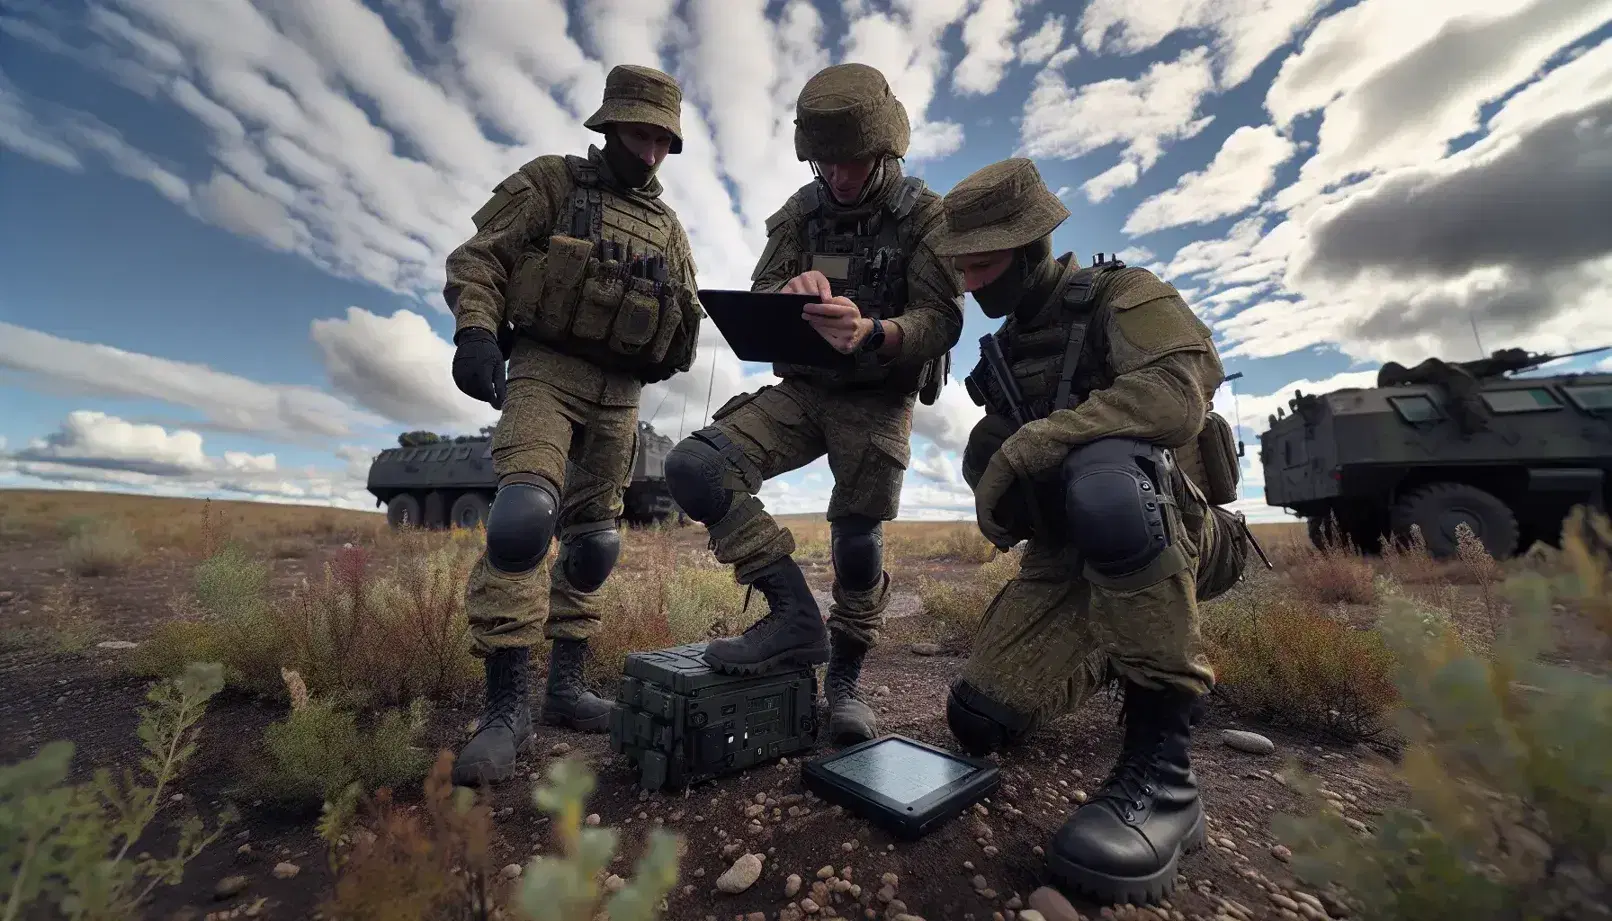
pixel 223 224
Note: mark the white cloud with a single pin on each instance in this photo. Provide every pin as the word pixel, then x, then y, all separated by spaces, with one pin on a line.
pixel 1243 33
pixel 988 37
pixel 398 367
pixel 1233 182
pixel 1140 116
pixel 1041 45
pixel 227 401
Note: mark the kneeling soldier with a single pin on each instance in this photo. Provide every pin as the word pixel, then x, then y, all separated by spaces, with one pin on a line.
pixel 1100 449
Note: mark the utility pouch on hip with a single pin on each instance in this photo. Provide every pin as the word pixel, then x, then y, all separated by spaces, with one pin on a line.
pixel 637 319
pixel 524 294
pixel 603 288
pixel 567 266
pixel 1217 448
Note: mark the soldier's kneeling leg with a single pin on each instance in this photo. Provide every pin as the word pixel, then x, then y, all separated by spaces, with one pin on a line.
pixel 588 554
pixel 981 725
pixel 1115 493
pixel 520 525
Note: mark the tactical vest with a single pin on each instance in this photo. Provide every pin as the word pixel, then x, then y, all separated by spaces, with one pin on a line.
pixel 864 255
pixel 599 287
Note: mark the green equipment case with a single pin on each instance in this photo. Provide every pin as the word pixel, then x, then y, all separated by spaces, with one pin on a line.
pixel 682 722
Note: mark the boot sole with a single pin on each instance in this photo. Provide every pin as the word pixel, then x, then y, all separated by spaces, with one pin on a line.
pixel 799 657
pixel 1119 890
pixel 487 776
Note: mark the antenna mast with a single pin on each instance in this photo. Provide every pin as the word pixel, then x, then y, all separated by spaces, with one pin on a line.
pixel 1473 317
pixel 1235 411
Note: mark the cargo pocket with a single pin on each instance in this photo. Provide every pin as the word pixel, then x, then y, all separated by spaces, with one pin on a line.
pixel 525 291
pixel 877 493
pixel 1221 566
pixel 566 267
pixel 726 409
pixel 602 293
pixel 637 319
pixel 1217 448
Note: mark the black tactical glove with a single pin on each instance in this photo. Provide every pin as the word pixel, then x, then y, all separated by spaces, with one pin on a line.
pixel 478 366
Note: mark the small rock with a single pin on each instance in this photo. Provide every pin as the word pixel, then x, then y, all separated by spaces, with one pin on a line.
pixel 511 871
pixel 756 916
pixel 614 883
pixel 808 906
pixel 1280 852
pixel 887 893
pixel 925 649
pixel 1030 914
pixel 1052 905
pixel 848 846
pixel 881 691
pixel 890 879
pixel 116 644
pixel 244 850
pixel 284 870
pixel 560 748
pixel 229 887
pixel 825 871
pixel 741 876
pixel 792 886
pixel 980 882
pixel 593 819
pixel 990 850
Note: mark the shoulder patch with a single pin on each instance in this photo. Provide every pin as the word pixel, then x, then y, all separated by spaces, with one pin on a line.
pixel 1133 287
pixel 504 194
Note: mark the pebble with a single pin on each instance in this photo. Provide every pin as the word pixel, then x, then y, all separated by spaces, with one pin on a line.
pixel 614 883
pixel 1030 914
pixel 990 850
pixel 511 871
pixel 116 644
pixel 1051 905
pixel 792 886
pixel 229 887
pixel 284 870
pixel 925 649
pixel 741 876
pixel 1251 742
pixel 809 906
pixel 1280 852
pixel 593 819
pixel 560 748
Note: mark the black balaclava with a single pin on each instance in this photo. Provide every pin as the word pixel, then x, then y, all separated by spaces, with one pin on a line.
pixel 629 168
pixel 1028 270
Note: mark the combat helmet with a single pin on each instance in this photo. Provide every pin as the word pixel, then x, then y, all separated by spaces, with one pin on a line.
pixel 848 112
pixel 634 93
pixel 1005 205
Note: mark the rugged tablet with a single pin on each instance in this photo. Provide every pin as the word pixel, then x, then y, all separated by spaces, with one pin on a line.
pixel 770 327
pixel 908 786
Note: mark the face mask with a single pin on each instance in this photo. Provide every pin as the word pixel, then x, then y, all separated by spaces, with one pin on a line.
pixel 628 167
pixel 1001 296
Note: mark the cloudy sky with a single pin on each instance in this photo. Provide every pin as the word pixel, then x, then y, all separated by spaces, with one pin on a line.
pixel 223 222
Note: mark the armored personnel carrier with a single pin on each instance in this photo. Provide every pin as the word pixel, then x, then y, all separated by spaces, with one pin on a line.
pixel 432 481
pixel 1441 444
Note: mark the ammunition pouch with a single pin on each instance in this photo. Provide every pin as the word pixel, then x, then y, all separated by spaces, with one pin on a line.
pixel 576 302
pixel 1217 448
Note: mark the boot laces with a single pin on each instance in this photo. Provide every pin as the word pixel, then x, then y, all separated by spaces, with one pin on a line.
pixel 1131 778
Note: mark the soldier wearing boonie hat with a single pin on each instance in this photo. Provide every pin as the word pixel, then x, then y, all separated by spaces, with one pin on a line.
pixel 1103 454
pixel 582 278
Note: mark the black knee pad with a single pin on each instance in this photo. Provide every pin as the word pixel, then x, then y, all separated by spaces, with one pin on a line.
pixel 1115 490
pixel 856 544
pixel 981 725
pixel 588 557
pixel 520 525
pixel 696 474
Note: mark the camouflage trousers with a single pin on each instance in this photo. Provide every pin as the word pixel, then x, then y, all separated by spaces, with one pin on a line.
pixel 785 426
pixel 586 450
pixel 1058 631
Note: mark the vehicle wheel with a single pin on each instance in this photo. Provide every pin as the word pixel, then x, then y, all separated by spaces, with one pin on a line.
pixel 403 511
pixel 1322 529
pixel 469 510
pixel 1439 508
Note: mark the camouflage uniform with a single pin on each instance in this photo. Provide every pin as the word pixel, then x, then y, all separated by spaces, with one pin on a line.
pixel 582 278
pixel 872 251
pixel 1114 478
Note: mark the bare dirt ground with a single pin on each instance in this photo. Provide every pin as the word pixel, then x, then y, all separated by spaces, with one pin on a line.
pixel 983 865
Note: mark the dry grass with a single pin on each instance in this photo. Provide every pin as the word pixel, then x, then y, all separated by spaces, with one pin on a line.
pixel 99 547
pixel 64 620
pixel 959 604
pixel 908 541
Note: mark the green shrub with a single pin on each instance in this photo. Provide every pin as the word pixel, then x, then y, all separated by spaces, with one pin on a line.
pixel 1277 658
pixel 318 751
pixel 959 604
pixel 100 548
pixel 566 887
pixel 1508 766
pixel 68 845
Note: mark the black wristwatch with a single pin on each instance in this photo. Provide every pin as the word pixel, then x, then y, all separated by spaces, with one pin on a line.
pixel 875 338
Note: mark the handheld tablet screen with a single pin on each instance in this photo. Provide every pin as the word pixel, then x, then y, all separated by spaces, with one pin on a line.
pixel 903 772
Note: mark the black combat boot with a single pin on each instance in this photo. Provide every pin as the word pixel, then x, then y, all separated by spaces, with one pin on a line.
pixel 850 718
pixel 1124 843
pixel 568 701
pixel 792 633
pixel 505 728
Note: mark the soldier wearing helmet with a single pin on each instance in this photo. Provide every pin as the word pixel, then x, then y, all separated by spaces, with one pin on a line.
pixel 1102 451
pixel 855 237
pixel 581 277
